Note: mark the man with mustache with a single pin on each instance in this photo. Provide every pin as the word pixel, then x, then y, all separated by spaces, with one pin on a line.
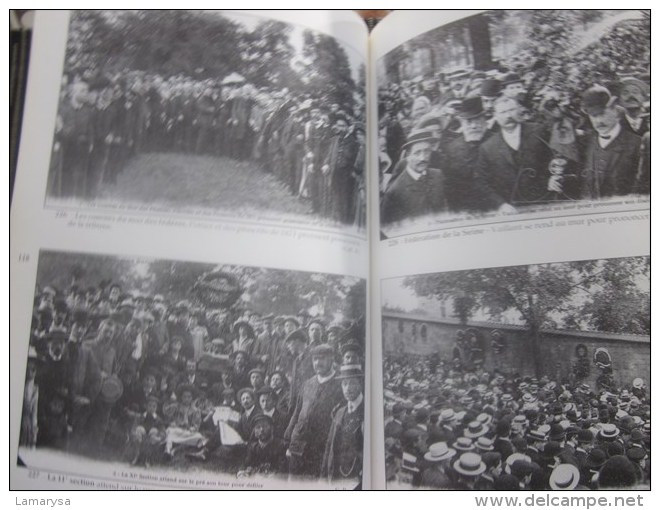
pixel 512 166
pixel 461 155
pixel 611 156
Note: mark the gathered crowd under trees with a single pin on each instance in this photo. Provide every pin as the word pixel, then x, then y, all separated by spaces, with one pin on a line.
pixel 117 374
pixel 305 126
pixel 452 424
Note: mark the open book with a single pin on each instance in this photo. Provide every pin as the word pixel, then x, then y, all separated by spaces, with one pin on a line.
pixel 271 250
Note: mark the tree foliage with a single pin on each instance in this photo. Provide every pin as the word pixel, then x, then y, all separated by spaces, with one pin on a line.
pixel 264 290
pixel 600 295
pixel 205 45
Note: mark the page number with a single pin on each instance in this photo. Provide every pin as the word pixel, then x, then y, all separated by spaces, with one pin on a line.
pixel 23 257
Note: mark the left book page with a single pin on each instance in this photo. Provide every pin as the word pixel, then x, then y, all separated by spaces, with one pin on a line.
pixel 189 253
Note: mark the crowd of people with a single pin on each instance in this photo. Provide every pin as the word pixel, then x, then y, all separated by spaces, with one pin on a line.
pixel 125 376
pixel 314 146
pixel 542 126
pixel 451 424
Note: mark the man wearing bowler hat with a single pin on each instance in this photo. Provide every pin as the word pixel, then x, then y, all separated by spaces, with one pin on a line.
pixel 342 459
pixel 419 190
pixel 612 153
pixel 461 156
pixel 310 423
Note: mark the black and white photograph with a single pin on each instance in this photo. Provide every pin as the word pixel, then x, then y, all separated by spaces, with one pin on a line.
pixel 233 114
pixel 158 367
pixel 531 377
pixel 509 113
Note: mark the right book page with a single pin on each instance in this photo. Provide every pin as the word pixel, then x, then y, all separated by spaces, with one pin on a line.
pixel 511 268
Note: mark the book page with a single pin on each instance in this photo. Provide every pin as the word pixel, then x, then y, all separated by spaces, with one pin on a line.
pixel 512 323
pixel 190 253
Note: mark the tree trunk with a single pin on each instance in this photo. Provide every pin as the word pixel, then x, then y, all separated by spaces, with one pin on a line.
pixel 480 38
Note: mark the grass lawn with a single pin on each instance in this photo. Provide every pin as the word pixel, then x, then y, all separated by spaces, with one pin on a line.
pixel 183 181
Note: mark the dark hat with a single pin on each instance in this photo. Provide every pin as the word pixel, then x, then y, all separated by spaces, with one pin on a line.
pixel 421 415
pixel 265 390
pixel 240 392
pixel 491 459
pixel 411 435
pixel 596 458
pixel 617 471
pixel 636 436
pixel 257 417
pixel 183 388
pixel 595 99
pixel 350 372
pixel 490 87
pixel 552 449
pixel 471 108
pixel 506 482
pixel 614 448
pixel 322 350
pixel 350 346
pixel 299 335
pixel 585 436
pixel 418 136
pixel 257 371
pixel 557 432
pixel 241 322
pixel 636 453
pixel 398 408
pixel 80 316
pixel 522 468
pixel 57 335
pixel 316 320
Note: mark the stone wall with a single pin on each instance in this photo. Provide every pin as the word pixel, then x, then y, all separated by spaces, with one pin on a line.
pixel 413 334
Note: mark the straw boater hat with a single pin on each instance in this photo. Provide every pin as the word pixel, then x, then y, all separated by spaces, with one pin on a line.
pixel 485 444
pixel 475 429
pixel 485 418
pixel 564 477
pixel 609 432
pixel 418 136
pixel 469 464
pixel 447 415
pixel 350 372
pixel 463 444
pixel 439 452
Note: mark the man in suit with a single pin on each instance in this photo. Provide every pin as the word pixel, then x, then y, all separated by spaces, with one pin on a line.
pixel 461 155
pixel 419 190
pixel 309 426
pixel 611 156
pixel 342 459
pixel 512 166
